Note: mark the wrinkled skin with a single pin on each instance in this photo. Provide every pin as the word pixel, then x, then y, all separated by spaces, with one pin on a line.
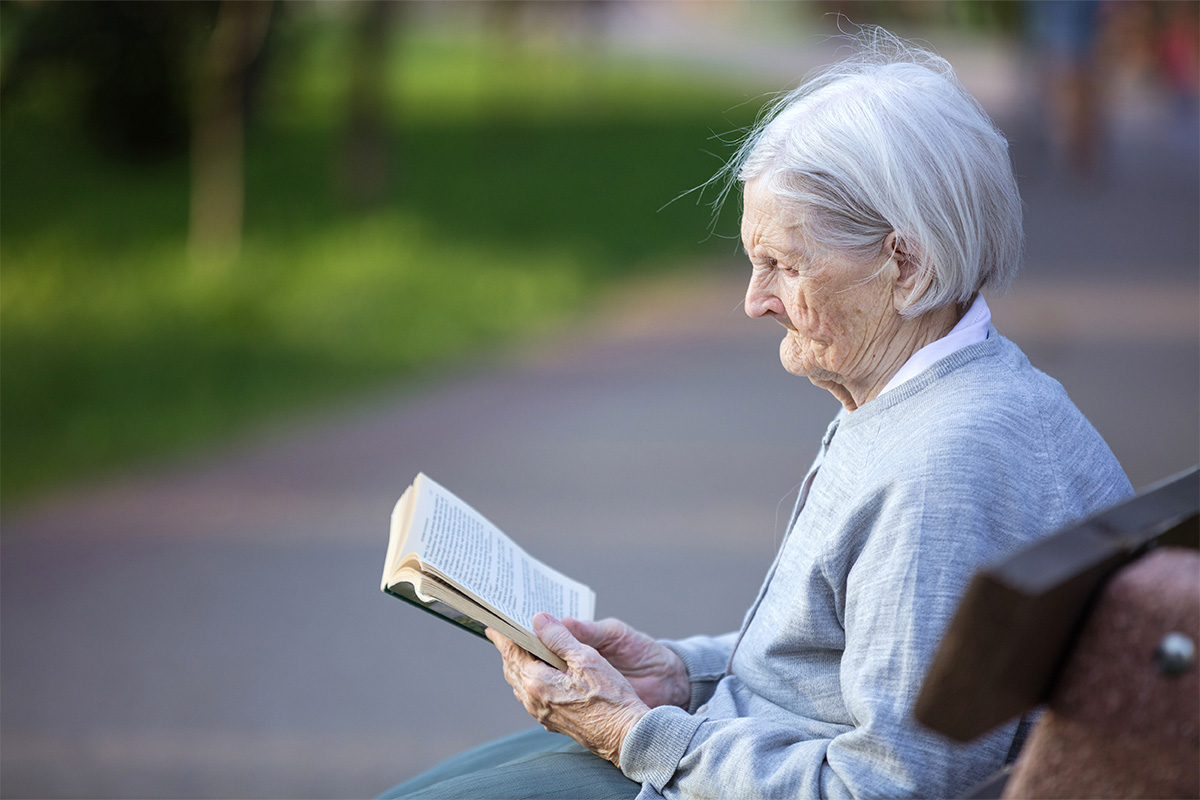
pixel 844 329
pixel 614 676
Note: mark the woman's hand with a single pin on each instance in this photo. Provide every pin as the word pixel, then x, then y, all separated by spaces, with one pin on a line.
pixel 656 673
pixel 591 702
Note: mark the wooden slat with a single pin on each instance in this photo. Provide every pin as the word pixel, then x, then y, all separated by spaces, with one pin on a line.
pixel 1017 620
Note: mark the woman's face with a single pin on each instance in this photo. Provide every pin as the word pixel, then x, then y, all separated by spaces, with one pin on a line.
pixel 835 311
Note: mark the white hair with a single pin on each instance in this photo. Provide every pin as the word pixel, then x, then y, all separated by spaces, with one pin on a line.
pixel 886 141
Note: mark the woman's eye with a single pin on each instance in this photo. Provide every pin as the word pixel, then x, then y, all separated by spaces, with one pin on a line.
pixel 772 263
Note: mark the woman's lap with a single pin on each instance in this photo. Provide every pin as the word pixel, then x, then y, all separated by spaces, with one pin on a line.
pixel 531 764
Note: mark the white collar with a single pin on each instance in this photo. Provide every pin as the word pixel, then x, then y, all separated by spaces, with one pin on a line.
pixel 972 328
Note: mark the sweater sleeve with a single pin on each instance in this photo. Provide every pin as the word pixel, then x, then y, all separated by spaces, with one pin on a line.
pixel 705 658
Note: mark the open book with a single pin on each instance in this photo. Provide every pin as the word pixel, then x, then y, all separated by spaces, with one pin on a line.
pixel 446 558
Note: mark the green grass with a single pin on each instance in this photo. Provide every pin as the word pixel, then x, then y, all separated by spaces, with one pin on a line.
pixel 521 186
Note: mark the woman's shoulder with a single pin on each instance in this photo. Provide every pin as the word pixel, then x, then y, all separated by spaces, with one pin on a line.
pixel 990 385
pixel 993 420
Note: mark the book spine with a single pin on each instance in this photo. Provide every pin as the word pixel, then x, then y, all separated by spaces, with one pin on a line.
pixel 477 631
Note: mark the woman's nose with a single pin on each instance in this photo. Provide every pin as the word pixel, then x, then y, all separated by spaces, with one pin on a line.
pixel 760 301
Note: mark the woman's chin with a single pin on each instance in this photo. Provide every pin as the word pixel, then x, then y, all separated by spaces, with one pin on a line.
pixel 795 358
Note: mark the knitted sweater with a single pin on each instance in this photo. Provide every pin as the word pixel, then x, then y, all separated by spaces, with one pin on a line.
pixel 916 490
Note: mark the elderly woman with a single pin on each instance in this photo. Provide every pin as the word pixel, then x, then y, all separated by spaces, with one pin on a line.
pixel 879 203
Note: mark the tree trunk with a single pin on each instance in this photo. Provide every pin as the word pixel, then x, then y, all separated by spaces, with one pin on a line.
pixel 363 171
pixel 215 226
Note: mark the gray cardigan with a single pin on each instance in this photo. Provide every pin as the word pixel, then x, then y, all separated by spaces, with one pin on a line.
pixel 915 490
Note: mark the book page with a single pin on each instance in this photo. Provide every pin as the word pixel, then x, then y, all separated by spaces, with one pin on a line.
pixel 397 541
pixel 456 540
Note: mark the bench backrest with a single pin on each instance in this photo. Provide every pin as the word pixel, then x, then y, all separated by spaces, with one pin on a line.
pixel 1018 619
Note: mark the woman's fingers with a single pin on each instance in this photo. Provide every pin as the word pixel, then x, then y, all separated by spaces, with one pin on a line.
pixel 583 630
pixel 509 651
pixel 600 634
pixel 559 639
pixel 591 702
pixel 512 659
pixel 534 683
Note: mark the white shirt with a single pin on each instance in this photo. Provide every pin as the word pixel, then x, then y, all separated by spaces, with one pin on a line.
pixel 972 328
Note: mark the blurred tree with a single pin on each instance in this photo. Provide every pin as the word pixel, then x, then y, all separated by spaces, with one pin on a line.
pixel 123 68
pixel 218 133
pixel 144 80
pixel 364 164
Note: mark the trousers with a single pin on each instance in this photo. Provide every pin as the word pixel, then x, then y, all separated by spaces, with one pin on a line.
pixel 528 765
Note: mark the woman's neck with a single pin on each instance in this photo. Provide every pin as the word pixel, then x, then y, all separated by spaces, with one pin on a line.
pixel 892 351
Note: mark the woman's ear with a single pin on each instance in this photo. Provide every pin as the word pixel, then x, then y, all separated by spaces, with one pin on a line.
pixel 906 273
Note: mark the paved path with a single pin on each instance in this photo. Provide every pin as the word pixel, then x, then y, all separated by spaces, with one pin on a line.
pixel 212 626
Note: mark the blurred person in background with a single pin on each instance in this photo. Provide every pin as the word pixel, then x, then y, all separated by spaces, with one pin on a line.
pixel 1179 56
pixel 1065 37
pixel 879 203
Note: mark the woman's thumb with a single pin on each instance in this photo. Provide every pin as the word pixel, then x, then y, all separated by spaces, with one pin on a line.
pixel 555 635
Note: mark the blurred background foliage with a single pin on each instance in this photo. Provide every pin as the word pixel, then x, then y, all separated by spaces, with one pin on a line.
pixel 217 212
pixel 214 212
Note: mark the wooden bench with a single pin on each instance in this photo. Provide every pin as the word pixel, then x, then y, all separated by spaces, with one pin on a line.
pixel 1098 623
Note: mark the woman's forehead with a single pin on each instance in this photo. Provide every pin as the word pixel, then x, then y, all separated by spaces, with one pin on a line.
pixel 767 220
